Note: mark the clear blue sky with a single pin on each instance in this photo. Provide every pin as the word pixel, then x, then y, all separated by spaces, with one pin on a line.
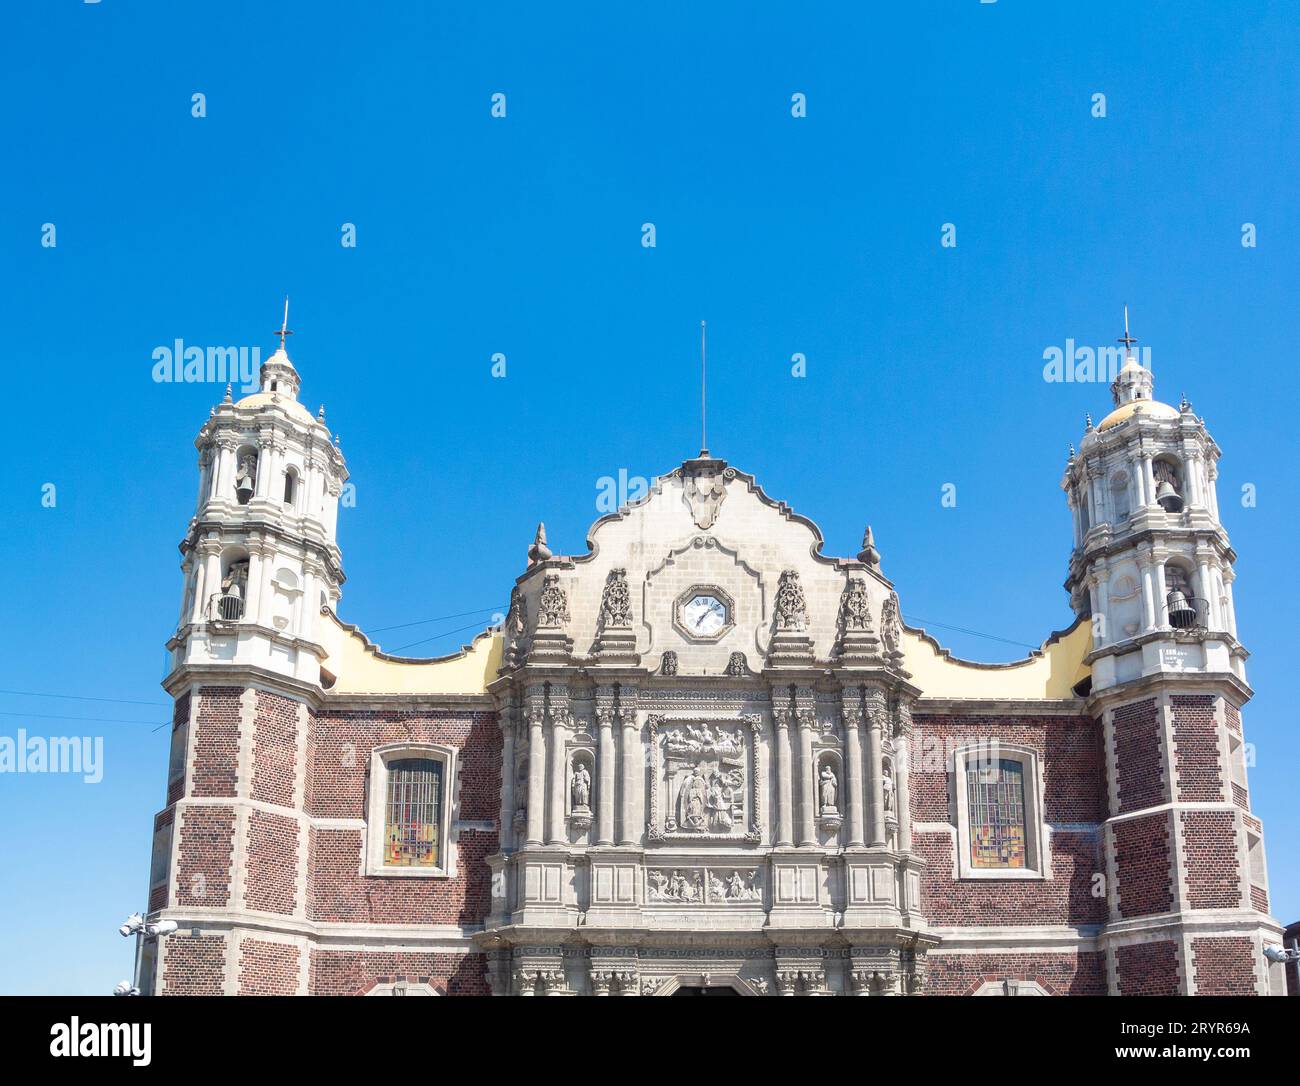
pixel 521 235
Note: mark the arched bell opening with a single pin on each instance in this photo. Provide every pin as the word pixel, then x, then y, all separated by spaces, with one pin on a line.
pixel 1169 484
pixel 245 474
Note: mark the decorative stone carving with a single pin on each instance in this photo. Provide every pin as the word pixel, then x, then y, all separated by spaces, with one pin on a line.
pixel 553 607
pixel 737 664
pixel 516 629
pixel 702 886
pixel 707 780
pixel 791 609
pixel 668 664
pixel 616 601
pixel 891 626
pixel 855 606
pixel 616 637
pixel 539 551
pixel 869 555
pixel 887 786
pixel 704 491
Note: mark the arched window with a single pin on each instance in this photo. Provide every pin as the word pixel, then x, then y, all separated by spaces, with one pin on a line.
pixel 996 801
pixel 1119 495
pixel 290 487
pixel 1000 833
pixel 413 813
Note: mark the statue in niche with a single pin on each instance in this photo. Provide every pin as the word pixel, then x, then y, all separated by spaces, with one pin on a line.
pixel 581 787
pixel 829 788
pixel 887 786
pixel 791 609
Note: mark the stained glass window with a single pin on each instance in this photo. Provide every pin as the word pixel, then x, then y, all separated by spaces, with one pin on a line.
pixel 414 810
pixel 996 801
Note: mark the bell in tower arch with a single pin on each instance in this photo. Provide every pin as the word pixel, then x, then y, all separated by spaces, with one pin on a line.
pixel 245 476
pixel 1167 496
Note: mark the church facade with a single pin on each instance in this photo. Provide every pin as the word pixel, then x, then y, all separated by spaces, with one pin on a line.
pixel 704 757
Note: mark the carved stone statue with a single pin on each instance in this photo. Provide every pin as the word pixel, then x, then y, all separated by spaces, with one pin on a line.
pixel 791 610
pixel 669 666
pixel 616 600
pixel 887 787
pixel 829 789
pixel 736 664
pixel 855 607
pixel 581 787
pixel 692 803
pixel 891 624
pixel 553 605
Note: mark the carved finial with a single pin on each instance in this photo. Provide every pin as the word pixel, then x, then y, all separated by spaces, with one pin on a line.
pixel 320 415
pixel 869 554
pixel 1087 420
pixel 1072 452
pixel 539 551
pixel 227 396
pixel 1184 405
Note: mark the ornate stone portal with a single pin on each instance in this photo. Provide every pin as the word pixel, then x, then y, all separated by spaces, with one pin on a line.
pixel 725 814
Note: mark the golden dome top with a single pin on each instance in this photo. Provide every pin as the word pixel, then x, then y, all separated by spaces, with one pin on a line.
pixel 273 399
pixel 1152 409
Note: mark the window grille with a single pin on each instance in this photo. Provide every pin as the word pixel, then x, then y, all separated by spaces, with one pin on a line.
pixel 414 813
pixel 996 801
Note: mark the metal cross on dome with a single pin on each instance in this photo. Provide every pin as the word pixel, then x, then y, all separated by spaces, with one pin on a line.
pixel 284 328
pixel 1125 339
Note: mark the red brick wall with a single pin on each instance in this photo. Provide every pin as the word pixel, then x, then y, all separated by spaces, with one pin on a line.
pixel 272 861
pixel 267 968
pixel 339 749
pixel 1059 974
pixel 1196 748
pixel 1065 898
pixel 216 742
pixel 195 965
pixel 203 870
pixel 1233 716
pixel 1070 756
pixel 1239 796
pixel 1142 865
pixel 1148 969
pixel 1210 850
pixel 275 753
pixel 158 894
pixel 1223 966
pixel 1141 772
pixel 1259 899
pixel 355 972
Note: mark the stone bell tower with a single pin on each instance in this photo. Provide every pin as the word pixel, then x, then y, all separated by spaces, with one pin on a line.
pixel 1153 568
pixel 260 557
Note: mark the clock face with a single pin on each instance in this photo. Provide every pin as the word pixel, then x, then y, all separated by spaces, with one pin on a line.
pixel 704 615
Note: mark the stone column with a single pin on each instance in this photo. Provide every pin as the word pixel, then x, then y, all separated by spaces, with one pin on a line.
pixel 784 771
pixel 631 759
pixel 902 777
pixel 1205 589
pixel 1148 478
pixel 1162 596
pixel 559 833
pixel 536 775
pixel 807 780
pixel 256 594
pixel 852 717
pixel 875 700
pixel 605 797
pixel 212 577
pixel 1150 617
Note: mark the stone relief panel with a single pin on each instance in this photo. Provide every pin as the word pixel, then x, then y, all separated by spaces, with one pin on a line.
pixel 704 779
pixel 703 886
